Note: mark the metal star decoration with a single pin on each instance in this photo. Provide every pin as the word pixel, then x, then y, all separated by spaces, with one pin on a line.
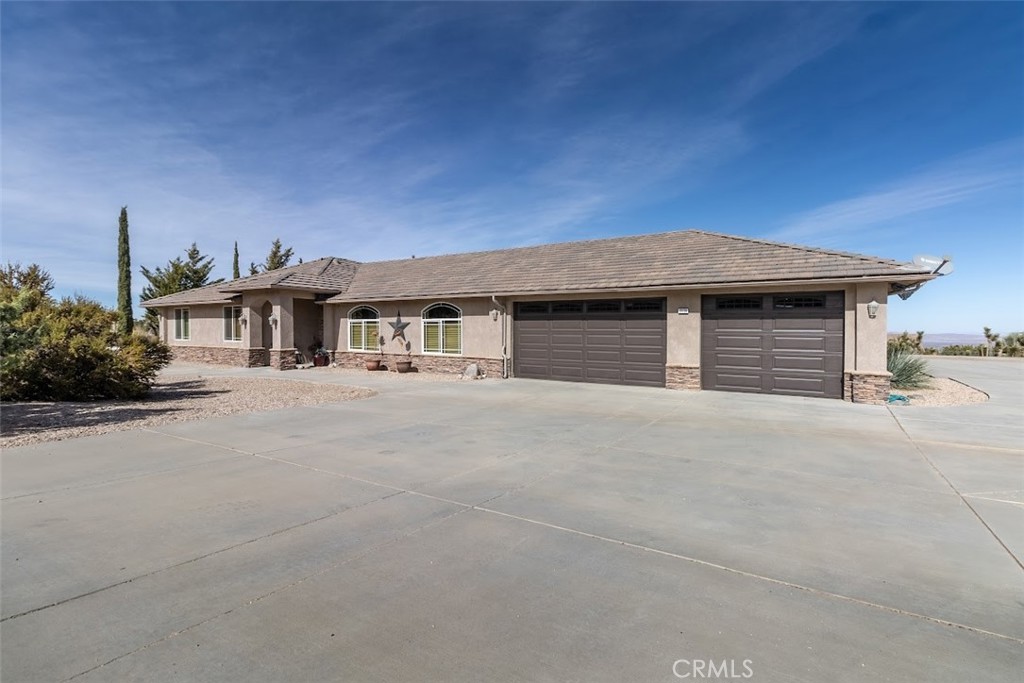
pixel 399 328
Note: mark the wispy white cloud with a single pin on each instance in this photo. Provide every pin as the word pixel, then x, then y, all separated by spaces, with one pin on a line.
pixel 952 181
pixel 356 174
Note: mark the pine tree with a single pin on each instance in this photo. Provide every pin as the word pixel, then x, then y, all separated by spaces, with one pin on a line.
pixel 124 276
pixel 14 278
pixel 234 266
pixel 279 257
pixel 179 275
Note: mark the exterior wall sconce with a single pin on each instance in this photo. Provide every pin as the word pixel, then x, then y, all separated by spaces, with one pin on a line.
pixel 243 320
pixel 494 314
pixel 273 320
pixel 873 308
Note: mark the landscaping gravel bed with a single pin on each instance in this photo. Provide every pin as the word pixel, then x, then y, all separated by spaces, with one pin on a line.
pixel 173 399
pixel 943 391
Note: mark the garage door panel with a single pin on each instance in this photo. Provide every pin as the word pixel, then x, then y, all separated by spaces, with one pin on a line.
pixel 737 381
pixel 734 342
pixel 569 372
pixel 640 377
pixel 638 357
pixel 813 363
pixel 567 355
pixel 576 344
pixel 733 360
pixel 800 324
pixel 603 340
pixel 792 347
pixel 535 355
pixel 735 324
pixel 599 325
pixel 595 356
pixel 565 339
pixel 790 384
pixel 788 343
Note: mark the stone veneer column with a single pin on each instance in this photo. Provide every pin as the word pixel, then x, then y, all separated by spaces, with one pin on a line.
pixel 867 387
pixel 682 377
pixel 257 358
pixel 282 359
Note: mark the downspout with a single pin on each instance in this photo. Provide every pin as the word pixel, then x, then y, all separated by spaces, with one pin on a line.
pixel 504 337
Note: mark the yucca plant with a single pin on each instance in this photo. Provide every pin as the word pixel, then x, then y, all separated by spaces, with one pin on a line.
pixel 908 371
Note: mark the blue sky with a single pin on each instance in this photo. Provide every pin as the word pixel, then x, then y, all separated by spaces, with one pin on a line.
pixel 375 131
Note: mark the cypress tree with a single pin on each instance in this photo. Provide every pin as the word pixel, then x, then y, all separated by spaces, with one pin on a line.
pixel 124 276
pixel 235 273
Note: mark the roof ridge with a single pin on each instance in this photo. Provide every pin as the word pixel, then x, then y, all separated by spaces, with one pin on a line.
pixel 805 248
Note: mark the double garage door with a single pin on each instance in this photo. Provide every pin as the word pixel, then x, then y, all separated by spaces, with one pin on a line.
pixel 766 343
pixel 614 341
pixel 773 343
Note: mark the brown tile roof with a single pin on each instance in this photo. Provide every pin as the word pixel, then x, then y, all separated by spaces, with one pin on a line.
pixel 323 275
pixel 326 275
pixel 690 257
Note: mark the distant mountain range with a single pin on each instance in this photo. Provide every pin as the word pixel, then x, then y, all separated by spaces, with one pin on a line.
pixel 937 341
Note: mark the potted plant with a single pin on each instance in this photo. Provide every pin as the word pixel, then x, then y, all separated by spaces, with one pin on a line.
pixel 321 357
pixel 405 365
pixel 376 363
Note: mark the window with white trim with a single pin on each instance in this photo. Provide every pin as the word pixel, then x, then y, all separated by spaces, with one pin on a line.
pixel 363 329
pixel 232 323
pixel 182 329
pixel 442 330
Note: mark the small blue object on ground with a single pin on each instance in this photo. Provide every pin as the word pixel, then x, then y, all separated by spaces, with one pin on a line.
pixel 899 399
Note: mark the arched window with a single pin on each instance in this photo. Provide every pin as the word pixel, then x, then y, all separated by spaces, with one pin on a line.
pixel 363 329
pixel 442 329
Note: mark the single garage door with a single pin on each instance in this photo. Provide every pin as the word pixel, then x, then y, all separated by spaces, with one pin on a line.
pixel 618 341
pixel 773 343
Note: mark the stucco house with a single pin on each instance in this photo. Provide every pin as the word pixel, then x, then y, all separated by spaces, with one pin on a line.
pixel 682 310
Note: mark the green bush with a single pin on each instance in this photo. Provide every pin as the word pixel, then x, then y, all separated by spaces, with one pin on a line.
pixel 908 371
pixel 69 351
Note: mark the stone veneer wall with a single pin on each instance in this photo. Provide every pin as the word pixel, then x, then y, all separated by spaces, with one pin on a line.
pixel 282 359
pixel 216 355
pixel 220 355
pixel 867 387
pixel 440 364
pixel 682 377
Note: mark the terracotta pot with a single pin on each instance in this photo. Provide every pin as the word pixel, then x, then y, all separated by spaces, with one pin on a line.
pixel 321 361
pixel 403 365
pixel 373 364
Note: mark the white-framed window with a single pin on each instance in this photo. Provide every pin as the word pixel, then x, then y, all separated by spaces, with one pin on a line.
pixel 442 330
pixel 182 329
pixel 363 329
pixel 232 323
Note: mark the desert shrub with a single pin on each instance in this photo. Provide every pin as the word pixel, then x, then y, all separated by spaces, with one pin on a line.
pixel 908 371
pixel 1013 344
pixel 69 350
pixel 964 350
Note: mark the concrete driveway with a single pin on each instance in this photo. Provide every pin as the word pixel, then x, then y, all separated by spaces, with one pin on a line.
pixel 527 531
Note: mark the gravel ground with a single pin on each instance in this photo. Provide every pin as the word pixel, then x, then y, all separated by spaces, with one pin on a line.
pixel 943 392
pixel 173 399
